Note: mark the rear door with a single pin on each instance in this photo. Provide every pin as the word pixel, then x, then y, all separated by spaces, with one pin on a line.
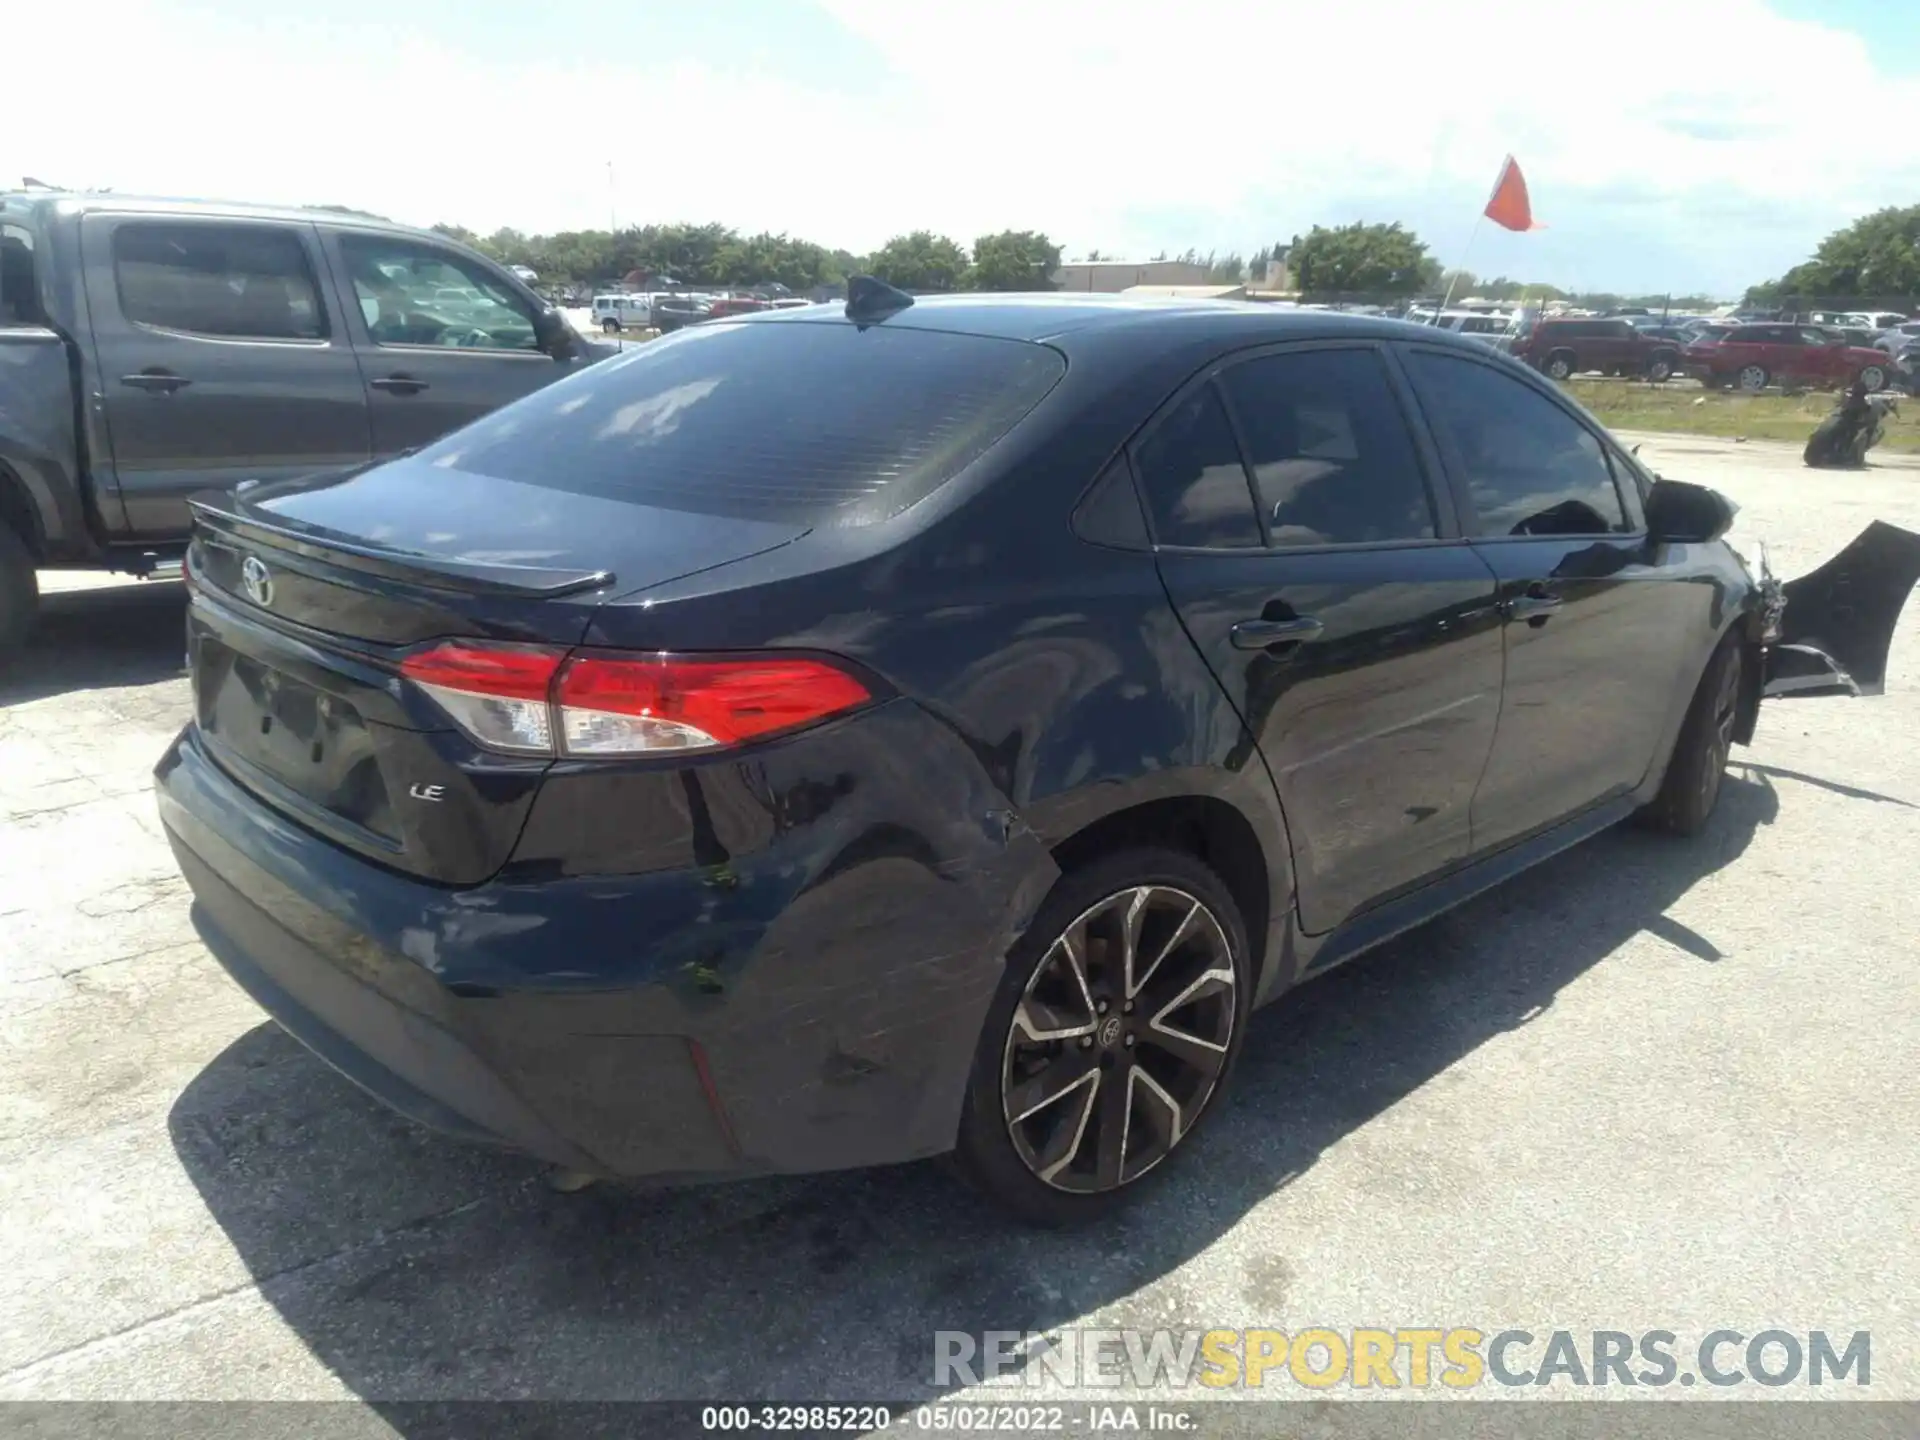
pixel 442 338
pixel 1598 624
pixel 221 358
pixel 1319 571
pixel 1615 343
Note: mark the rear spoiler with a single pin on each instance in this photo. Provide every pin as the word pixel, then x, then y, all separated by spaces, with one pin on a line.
pixel 220 514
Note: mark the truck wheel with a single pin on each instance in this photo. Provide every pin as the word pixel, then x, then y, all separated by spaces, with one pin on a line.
pixel 1874 379
pixel 1661 370
pixel 1753 378
pixel 1559 365
pixel 610 327
pixel 19 592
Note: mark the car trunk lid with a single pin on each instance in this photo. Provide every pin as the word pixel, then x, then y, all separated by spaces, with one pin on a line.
pixel 308 598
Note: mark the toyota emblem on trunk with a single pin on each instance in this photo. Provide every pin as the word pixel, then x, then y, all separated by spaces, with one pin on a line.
pixel 257 580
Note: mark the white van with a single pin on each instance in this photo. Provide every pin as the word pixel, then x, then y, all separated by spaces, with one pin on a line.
pixel 614 313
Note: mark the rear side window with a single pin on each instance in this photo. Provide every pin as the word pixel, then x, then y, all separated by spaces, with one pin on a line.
pixel 240 281
pixel 791 421
pixel 19 292
pixel 1333 463
pixel 1531 467
pixel 1195 486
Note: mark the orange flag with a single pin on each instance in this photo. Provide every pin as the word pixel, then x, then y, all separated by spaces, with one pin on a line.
pixel 1509 205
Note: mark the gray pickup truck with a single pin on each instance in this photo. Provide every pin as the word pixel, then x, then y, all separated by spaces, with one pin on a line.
pixel 153 348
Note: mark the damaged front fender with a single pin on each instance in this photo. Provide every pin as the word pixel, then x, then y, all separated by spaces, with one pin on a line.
pixel 1829 632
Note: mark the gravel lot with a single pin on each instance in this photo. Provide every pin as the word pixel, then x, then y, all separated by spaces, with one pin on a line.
pixel 1655 1084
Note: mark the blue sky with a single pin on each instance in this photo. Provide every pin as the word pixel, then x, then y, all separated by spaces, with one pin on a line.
pixel 1696 146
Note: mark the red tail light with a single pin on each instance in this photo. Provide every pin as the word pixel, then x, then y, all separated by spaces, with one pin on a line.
pixel 603 703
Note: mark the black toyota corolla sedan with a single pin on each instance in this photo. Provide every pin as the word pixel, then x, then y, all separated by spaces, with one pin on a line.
pixel 845 735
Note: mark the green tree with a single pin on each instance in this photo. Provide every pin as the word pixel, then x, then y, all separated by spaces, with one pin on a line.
pixel 1013 260
pixel 1876 257
pixel 1359 259
pixel 453 232
pixel 921 260
pixel 1228 269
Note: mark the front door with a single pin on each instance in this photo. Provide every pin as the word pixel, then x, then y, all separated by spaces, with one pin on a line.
pixel 442 339
pixel 1824 358
pixel 1315 568
pixel 220 358
pixel 1597 627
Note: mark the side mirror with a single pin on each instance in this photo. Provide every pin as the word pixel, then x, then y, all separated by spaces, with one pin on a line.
pixel 1683 514
pixel 555 335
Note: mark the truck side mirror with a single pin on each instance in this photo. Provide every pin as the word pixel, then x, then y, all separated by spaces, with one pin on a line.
pixel 555 335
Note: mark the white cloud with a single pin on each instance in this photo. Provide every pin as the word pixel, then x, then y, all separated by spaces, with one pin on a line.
pixel 1688 134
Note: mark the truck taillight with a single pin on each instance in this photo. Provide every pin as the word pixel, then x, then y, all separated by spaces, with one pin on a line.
pixel 532 700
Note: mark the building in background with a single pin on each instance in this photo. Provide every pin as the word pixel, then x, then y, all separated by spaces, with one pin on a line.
pixel 1110 277
pixel 1189 292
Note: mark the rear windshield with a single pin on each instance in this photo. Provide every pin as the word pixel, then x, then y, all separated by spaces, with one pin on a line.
pixel 795 421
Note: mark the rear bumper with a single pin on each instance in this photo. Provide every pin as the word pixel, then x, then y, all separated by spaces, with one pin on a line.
pixel 818 1009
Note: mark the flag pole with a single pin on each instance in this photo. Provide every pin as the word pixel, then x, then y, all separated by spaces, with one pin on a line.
pixel 1455 279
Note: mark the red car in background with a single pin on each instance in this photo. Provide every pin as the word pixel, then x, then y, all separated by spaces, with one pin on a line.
pixel 735 305
pixel 1753 357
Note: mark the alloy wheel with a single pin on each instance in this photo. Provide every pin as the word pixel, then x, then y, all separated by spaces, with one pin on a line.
pixel 1753 379
pixel 1119 1039
pixel 1873 379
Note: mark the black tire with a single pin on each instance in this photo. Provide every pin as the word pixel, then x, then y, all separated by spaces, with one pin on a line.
pixel 19 593
pixel 1699 762
pixel 1660 369
pixel 610 327
pixel 1873 379
pixel 1089 1075
pixel 1559 365
pixel 1753 378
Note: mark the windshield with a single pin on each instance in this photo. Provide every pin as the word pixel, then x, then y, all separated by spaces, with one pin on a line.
pixel 813 423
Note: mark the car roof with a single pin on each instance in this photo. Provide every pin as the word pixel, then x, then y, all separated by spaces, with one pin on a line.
pixel 64 202
pixel 1083 318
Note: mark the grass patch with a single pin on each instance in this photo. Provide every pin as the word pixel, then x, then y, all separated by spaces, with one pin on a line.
pixel 1638 405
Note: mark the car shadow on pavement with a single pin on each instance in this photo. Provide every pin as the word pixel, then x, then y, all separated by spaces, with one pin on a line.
pixel 416 1269
pixel 100 639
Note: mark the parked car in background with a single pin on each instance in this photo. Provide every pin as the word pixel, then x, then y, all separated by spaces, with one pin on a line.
pixel 934 726
pixel 1562 348
pixel 1753 357
pixel 621 310
pixel 672 312
pixel 1896 337
pixel 153 348
pixel 1875 319
pixel 735 305
pixel 1703 330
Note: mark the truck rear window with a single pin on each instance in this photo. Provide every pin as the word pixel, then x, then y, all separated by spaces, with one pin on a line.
pixel 802 421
